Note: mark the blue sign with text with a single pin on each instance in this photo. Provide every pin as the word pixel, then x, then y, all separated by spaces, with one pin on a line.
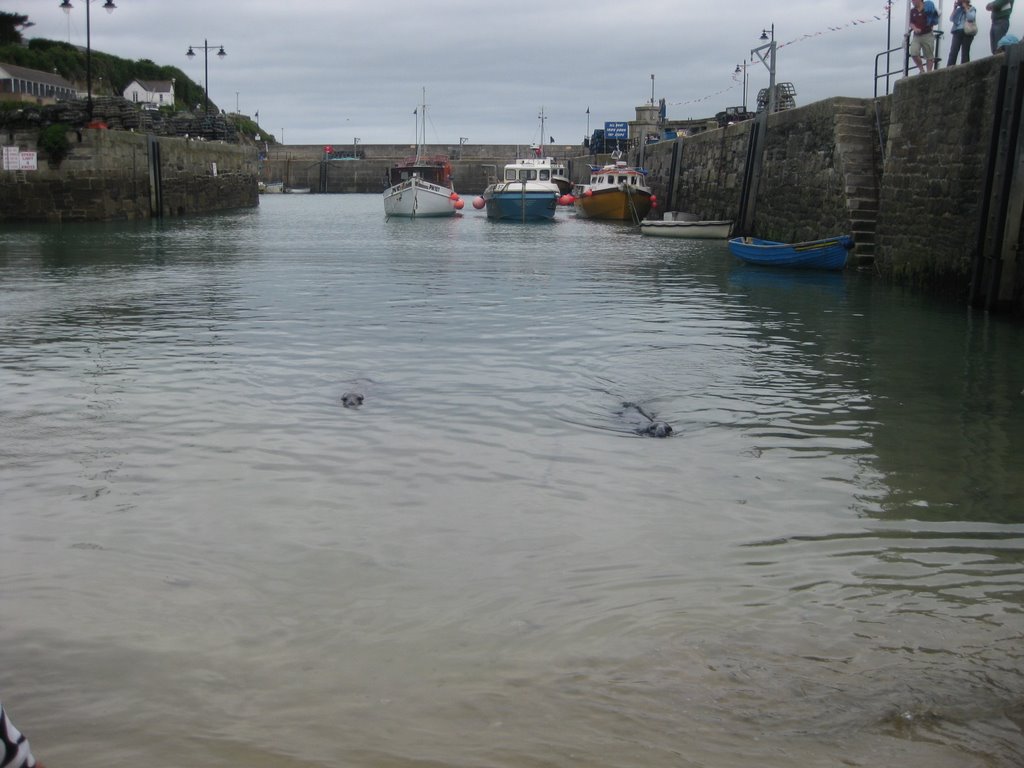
pixel 616 131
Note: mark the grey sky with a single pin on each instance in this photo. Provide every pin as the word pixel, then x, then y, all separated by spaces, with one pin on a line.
pixel 326 71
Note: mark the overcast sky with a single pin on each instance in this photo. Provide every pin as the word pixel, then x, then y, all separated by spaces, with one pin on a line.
pixel 327 71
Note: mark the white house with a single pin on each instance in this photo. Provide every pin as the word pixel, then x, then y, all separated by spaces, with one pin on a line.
pixel 157 92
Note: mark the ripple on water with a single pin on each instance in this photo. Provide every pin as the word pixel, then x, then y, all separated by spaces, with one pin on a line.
pixel 484 563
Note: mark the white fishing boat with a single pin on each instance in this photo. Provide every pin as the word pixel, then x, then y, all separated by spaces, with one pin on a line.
pixel 421 185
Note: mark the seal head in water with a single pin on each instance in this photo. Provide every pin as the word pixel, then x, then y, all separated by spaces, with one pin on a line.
pixel 351 399
pixel 645 423
pixel 657 429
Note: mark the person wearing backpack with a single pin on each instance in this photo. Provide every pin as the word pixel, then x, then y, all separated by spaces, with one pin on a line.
pixel 962 32
pixel 923 18
pixel 1000 10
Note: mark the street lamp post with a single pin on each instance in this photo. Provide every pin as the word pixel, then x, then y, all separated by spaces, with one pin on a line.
pixel 770 63
pixel 109 6
pixel 744 71
pixel 206 67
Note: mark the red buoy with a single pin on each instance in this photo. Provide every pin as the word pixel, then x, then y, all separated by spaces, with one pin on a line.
pixel 459 205
pixel 479 202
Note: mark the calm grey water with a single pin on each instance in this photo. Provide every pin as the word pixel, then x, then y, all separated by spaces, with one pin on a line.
pixel 207 561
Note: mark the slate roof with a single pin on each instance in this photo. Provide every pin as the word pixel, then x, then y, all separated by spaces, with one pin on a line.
pixel 156 86
pixel 8 71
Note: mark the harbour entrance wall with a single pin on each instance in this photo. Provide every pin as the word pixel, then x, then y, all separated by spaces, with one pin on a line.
pixel 474 166
pixel 118 175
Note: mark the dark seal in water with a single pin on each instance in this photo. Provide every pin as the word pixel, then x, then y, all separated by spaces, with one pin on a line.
pixel 657 429
pixel 351 399
pixel 645 424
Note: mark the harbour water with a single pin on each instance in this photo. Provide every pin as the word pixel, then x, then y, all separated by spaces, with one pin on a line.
pixel 208 561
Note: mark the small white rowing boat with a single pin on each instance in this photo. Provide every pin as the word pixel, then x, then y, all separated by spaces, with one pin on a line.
pixel 699 230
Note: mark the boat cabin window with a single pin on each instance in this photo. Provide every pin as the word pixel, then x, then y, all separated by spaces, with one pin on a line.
pixel 545 175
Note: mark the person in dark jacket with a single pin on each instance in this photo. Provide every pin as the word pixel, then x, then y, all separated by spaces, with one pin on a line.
pixel 1000 10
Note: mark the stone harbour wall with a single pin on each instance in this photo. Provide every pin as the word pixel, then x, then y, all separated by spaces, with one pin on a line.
pixel 473 166
pixel 904 173
pixel 819 175
pixel 933 179
pixel 106 176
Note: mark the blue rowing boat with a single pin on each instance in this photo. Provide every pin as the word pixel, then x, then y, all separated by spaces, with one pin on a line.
pixel 829 253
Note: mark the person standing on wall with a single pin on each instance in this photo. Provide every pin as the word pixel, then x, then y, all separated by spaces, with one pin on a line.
pixel 965 27
pixel 1000 10
pixel 922 43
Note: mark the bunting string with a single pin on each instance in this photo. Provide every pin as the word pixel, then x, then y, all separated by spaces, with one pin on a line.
pixel 737 77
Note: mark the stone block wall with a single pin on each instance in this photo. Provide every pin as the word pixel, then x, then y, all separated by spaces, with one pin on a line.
pixel 106 177
pixel 472 165
pixel 803 193
pixel 709 174
pixel 933 176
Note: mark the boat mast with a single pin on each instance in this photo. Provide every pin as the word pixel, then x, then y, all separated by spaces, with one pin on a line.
pixel 422 121
pixel 541 132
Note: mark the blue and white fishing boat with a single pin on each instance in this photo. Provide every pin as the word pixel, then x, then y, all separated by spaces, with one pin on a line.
pixel 526 193
pixel 829 253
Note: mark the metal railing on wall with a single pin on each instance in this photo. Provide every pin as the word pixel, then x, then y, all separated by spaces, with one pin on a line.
pixel 904 69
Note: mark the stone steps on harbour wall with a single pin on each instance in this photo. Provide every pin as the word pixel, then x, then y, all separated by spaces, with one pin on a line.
pixel 856 142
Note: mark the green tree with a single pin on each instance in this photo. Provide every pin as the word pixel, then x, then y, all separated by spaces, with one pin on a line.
pixel 11 25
